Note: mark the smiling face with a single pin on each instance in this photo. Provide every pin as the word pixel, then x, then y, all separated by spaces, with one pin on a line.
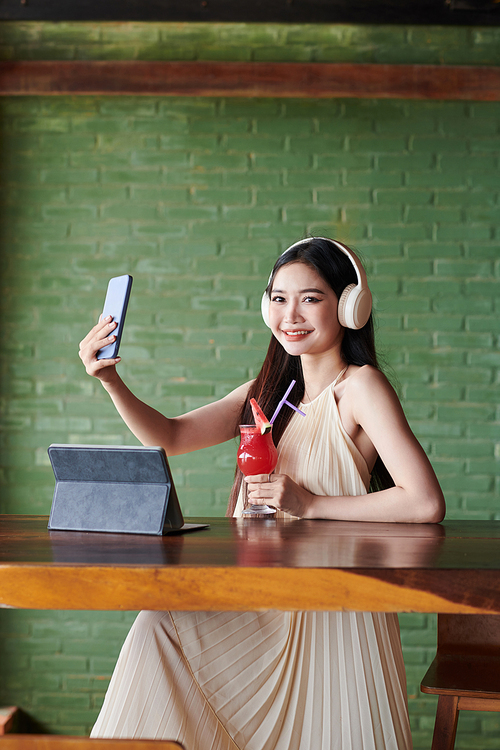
pixel 303 311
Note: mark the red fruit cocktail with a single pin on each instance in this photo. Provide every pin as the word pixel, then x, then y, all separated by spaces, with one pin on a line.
pixel 257 454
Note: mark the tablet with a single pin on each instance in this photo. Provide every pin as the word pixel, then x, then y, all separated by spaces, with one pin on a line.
pixel 114 488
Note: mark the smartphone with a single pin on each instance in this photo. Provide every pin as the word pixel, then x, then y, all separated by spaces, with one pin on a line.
pixel 115 304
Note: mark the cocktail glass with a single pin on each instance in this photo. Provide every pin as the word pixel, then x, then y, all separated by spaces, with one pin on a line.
pixel 257 454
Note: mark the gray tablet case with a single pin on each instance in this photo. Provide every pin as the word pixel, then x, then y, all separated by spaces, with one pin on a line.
pixel 118 489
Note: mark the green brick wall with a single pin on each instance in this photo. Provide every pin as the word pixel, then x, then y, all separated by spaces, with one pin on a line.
pixel 195 198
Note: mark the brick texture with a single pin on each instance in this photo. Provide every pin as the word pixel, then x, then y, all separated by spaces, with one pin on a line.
pixel 261 42
pixel 195 198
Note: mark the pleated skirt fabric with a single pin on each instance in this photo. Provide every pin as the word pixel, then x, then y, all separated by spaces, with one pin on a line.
pixel 269 680
pixel 261 681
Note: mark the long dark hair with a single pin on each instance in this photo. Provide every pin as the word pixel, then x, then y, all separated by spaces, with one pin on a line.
pixel 280 368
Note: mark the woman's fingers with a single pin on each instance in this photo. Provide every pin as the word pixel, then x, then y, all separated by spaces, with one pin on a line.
pixel 258 478
pixel 262 487
pixel 281 492
pixel 100 331
pixel 98 337
pixel 267 481
pixel 93 331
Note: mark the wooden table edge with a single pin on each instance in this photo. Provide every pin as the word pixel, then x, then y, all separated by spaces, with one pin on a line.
pixel 95 587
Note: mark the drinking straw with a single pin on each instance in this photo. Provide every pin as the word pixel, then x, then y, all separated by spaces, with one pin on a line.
pixel 284 401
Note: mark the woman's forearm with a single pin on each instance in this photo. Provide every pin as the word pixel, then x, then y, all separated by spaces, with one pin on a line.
pixel 393 505
pixel 208 425
pixel 148 425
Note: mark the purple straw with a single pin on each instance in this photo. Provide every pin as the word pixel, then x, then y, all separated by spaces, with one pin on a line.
pixel 284 401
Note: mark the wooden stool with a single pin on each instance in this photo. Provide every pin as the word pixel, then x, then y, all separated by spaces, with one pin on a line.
pixel 59 742
pixel 465 672
pixel 8 717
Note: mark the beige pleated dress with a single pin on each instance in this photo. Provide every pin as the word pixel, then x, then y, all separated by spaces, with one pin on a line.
pixel 269 680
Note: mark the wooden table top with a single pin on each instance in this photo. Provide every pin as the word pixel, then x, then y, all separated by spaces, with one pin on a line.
pixel 255 564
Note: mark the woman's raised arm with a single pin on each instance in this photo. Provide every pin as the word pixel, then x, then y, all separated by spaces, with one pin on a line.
pixel 209 425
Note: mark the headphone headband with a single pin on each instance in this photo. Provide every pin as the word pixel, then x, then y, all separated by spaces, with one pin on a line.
pixel 355 302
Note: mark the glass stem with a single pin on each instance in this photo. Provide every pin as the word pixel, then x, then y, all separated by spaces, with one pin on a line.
pixel 244 494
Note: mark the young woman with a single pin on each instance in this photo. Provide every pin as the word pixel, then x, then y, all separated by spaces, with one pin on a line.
pixel 274 680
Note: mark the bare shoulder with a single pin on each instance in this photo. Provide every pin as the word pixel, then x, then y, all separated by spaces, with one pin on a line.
pixel 368 390
pixel 366 378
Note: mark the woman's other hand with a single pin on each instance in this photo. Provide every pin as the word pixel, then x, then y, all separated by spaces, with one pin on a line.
pixel 279 491
pixel 100 335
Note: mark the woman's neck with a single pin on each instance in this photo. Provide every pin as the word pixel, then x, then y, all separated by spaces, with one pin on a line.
pixel 320 371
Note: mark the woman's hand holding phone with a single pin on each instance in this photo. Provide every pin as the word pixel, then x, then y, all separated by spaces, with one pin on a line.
pixel 99 349
pixel 99 336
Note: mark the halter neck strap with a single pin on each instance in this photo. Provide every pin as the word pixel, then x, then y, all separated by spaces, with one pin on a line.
pixel 342 372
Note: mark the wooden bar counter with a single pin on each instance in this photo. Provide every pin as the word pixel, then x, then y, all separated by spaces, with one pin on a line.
pixel 255 564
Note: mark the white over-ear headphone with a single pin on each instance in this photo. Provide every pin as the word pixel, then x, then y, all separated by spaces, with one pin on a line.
pixel 355 302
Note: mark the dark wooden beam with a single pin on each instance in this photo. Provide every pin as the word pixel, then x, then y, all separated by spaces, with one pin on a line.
pixel 468 12
pixel 314 80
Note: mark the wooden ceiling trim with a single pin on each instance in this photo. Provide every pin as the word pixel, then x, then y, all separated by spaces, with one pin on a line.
pixel 250 79
pixel 423 12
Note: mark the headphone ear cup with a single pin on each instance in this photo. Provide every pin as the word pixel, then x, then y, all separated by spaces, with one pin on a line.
pixel 343 312
pixel 264 308
pixel 355 306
